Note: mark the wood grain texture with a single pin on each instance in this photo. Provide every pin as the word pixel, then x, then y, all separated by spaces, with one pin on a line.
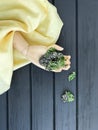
pixel 88 64
pixel 42 99
pixel 19 101
pixel 3 112
pixel 65 114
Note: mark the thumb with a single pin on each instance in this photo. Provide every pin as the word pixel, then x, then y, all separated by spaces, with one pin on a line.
pixel 59 48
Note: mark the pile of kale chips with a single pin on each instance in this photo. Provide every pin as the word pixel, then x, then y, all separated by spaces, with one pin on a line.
pixel 52 60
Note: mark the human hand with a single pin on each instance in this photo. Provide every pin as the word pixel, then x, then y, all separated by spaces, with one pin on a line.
pixel 36 51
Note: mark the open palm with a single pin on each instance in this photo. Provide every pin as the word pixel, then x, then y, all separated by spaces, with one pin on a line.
pixel 34 52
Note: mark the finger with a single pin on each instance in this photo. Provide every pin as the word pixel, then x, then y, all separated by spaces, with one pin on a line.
pixel 67 62
pixel 66 67
pixel 67 57
pixel 57 47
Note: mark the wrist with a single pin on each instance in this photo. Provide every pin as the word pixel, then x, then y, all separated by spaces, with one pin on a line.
pixel 20 43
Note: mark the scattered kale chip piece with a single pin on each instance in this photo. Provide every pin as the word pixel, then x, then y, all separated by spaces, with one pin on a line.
pixel 72 76
pixel 67 96
pixel 52 59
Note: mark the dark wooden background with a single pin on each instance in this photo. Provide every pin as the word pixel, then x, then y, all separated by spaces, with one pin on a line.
pixel 34 103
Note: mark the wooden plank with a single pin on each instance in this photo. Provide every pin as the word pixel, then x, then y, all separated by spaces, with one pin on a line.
pixel 42 99
pixel 88 64
pixel 19 100
pixel 3 112
pixel 65 114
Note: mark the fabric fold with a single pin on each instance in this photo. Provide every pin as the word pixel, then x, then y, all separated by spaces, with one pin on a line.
pixel 6 62
pixel 36 20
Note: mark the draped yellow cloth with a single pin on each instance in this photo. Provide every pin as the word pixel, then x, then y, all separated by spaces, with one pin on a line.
pixel 38 22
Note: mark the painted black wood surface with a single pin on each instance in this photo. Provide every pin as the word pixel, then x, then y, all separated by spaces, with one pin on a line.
pixel 88 65
pixel 34 103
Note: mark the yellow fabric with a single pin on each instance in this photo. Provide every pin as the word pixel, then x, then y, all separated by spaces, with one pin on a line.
pixel 38 22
